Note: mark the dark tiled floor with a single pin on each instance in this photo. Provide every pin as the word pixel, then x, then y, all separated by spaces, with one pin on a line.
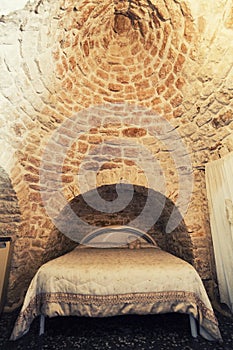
pixel 160 332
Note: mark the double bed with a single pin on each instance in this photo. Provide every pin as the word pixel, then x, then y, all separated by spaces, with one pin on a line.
pixel 116 271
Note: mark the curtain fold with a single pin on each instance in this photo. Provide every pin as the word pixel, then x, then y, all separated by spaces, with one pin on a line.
pixel 219 184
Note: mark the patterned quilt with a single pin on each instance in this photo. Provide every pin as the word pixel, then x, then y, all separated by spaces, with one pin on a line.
pixel 100 282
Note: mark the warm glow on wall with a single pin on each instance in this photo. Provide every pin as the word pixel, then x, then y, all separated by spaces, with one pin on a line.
pixel 7 6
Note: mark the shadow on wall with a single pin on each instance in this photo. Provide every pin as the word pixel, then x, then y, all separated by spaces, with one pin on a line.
pixel 177 242
pixel 9 209
pixel 10 215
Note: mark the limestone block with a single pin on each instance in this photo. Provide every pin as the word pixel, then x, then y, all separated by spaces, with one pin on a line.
pixel 45 36
pixel 29 43
pixel 203 119
pixel 228 142
pixel 6 79
pixel 215 107
pixel 224 96
pixel 45 63
pixel 8 34
pixel 223 67
pixel 13 95
pixel 188 129
pixel 12 58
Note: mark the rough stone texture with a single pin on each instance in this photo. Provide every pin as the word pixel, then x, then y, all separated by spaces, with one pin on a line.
pixel 9 210
pixel 60 57
pixel 177 242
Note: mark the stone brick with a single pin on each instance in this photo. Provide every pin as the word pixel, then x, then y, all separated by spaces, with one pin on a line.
pixel 145 94
pixel 176 101
pixel 180 82
pixel 35 197
pixel 184 48
pixel 114 87
pixel 156 101
pixel 165 69
pixel 31 178
pixel 189 30
pixel 161 89
pixel 102 74
pixel 179 63
pixel 123 78
pixel 135 49
pixel 142 84
pixel 223 119
pixel 32 169
pixel 129 88
pixel 128 61
pixel 169 93
pixel 153 51
pixel 170 80
pixel 137 77
pixel 94 139
pixel 178 112
pixel 167 108
pixel 148 72
pixel 134 132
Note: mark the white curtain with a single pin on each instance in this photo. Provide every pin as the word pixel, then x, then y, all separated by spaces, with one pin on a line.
pixel 219 182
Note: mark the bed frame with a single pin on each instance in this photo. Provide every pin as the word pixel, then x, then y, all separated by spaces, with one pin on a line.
pixel 113 236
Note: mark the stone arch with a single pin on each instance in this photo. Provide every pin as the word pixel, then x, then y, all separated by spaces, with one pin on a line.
pixel 178 242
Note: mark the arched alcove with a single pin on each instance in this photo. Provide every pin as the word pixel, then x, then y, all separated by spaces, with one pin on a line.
pixel 177 242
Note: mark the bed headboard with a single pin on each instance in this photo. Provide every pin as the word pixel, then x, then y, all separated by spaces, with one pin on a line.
pixel 116 236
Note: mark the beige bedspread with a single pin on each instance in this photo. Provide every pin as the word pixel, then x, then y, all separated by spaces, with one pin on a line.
pixel 107 282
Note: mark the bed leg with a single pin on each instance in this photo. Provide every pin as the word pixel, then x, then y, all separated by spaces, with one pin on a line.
pixel 193 326
pixel 42 324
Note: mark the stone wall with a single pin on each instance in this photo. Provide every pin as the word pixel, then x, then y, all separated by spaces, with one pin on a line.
pixel 60 57
pixel 9 209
